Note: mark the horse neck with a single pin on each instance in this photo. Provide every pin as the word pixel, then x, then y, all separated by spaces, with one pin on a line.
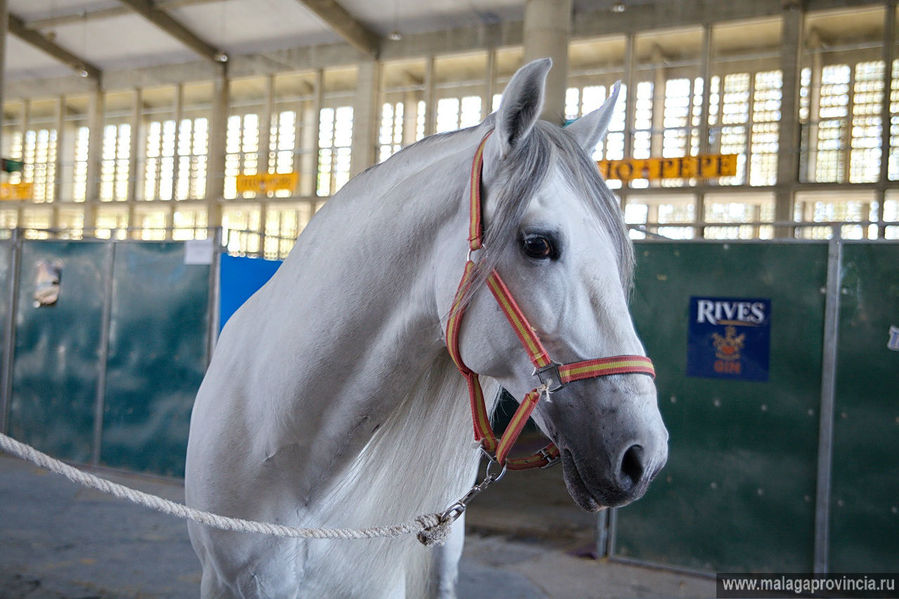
pixel 351 315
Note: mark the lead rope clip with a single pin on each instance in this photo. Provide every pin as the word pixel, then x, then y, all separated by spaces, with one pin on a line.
pixel 436 534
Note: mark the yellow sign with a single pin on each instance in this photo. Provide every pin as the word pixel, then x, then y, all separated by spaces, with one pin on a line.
pixel 704 166
pixel 16 191
pixel 267 182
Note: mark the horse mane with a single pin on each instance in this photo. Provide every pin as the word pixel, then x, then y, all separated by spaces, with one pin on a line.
pixel 526 170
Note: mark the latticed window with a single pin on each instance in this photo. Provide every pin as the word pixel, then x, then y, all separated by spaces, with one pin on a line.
pixel 390 138
pixel 832 124
pixel 893 166
pixel 115 162
pixel 79 165
pixel 734 115
pixel 241 151
pixel 581 101
pixel 766 102
pixel 193 146
pixel 865 138
pixel 175 165
pixel 159 169
pixel 643 120
pixel 335 138
pixel 39 155
pixel 676 118
pixel 457 113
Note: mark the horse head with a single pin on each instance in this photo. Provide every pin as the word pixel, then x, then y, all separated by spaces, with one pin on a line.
pixel 554 232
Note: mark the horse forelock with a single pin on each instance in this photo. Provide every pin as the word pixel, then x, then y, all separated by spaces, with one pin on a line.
pixel 526 170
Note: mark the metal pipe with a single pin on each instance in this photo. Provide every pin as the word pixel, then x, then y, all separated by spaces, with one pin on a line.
pixel 9 332
pixel 828 393
pixel 100 402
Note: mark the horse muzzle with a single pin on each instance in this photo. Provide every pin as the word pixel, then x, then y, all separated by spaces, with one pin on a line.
pixel 611 448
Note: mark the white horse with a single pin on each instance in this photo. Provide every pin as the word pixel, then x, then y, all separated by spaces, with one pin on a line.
pixel 332 401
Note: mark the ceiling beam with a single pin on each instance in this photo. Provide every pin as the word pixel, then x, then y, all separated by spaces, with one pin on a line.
pixel 81 15
pixel 168 24
pixel 346 25
pixel 81 66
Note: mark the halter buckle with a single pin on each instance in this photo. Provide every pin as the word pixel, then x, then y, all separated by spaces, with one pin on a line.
pixel 551 460
pixel 550 377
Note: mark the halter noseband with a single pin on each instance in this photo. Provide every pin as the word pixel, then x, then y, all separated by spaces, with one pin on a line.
pixel 552 375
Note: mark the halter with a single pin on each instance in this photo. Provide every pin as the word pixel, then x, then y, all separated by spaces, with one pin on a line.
pixel 552 375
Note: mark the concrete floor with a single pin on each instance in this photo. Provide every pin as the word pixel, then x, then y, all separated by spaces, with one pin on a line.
pixel 62 541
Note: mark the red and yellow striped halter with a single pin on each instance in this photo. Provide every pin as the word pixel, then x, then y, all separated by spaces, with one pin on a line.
pixel 553 376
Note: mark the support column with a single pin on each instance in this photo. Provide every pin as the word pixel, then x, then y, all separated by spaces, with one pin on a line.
pixel 94 160
pixel 430 97
pixel 133 164
pixel 215 172
pixel 658 103
pixel 365 116
pixel 265 140
pixel 490 83
pixel 788 136
pixel 889 55
pixel 23 128
pixel 57 161
pixel 308 167
pixel 706 74
pixel 547 29
pixel 176 162
pixel 814 105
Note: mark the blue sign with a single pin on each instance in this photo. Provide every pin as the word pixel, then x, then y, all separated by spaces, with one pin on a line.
pixel 729 338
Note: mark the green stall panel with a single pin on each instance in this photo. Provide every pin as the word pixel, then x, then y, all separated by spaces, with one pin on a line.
pixel 738 491
pixel 865 481
pixel 56 368
pixel 157 356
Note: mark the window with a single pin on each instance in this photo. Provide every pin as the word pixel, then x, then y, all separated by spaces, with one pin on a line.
pixel 734 114
pixel 832 124
pixel 390 139
pixel 765 128
pixel 193 147
pixel 458 113
pixel 115 163
pixel 159 169
pixel 189 223
pixel 282 145
pixel 241 152
pixel 865 134
pixel 39 156
pixel 79 166
pixel 335 139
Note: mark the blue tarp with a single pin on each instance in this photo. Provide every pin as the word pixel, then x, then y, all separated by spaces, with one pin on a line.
pixel 240 277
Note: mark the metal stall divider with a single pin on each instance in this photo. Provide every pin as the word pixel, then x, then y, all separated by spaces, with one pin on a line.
pixel 9 268
pixel 794 473
pixel 107 375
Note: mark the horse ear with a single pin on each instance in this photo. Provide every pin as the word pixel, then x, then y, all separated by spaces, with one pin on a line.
pixel 521 104
pixel 591 128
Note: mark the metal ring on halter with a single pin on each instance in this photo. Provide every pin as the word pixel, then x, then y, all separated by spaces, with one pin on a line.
pixel 471 252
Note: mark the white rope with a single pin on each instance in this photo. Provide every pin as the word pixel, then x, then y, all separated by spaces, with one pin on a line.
pixel 430 528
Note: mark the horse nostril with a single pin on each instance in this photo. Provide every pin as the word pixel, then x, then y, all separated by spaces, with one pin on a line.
pixel 631 467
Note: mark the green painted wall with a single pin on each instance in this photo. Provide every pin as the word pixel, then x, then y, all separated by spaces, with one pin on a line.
pixel 738 491
pixel 865 499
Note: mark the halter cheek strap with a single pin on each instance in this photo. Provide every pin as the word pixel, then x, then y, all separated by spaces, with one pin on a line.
pixel 552 376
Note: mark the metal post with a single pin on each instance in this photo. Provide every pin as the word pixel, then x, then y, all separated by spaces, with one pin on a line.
pixel 430 96
pixel 215 291
pixel 100 401
pixel 828 391
pixel 9 332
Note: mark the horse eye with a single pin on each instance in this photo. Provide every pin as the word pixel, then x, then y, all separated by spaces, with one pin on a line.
pixel 538 246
